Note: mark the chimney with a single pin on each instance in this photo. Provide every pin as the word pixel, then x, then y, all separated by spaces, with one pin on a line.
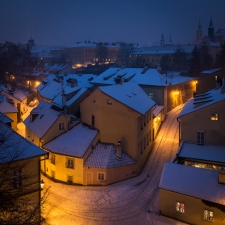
pixel 221 177
pixel 118 150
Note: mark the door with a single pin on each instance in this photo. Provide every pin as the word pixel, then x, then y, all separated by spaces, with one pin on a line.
pixel 89 178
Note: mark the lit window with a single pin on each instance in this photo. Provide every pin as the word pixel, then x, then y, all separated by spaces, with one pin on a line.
pixel 70 163
pixel 201 137
pixel 101 176
pixel 208 215
pixel 215 116
pixel 17 181
pixel 52 159
pixel 180 207
pixel 62 126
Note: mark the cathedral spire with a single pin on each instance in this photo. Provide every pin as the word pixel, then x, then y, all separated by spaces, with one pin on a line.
pixel 162 39
pixel 211 29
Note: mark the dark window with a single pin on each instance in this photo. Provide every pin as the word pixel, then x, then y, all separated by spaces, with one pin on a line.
pixel 201 137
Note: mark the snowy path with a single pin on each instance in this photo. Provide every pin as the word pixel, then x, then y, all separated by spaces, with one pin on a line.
pixel 134 201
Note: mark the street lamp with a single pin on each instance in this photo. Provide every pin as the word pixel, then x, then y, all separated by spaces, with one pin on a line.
pixel 42 184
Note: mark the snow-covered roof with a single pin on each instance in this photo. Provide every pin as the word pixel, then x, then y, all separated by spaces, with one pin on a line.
pixel 202 100
pixel 5 119
pixel 40 48
pixel 157 110
pixel 159 50
pixel 6 107
pixel 93 44
pixel 174 77
pixel 220 32
pixel 141 76
pixel 74 142
pixel 129 94
pixel 14 147
pixel 82 80
pixel 210 71
pixel 17 94
pixel 138 75
pixel 194 182
pixel 214 42
pixel 104 156
pixel 202 152
pixel 50 90
pixel 45 119
pixel 58 100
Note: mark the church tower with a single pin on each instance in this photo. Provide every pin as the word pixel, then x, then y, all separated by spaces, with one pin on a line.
pixel 211 29
pixel 199 33
pixel 162 39
pixel 31 42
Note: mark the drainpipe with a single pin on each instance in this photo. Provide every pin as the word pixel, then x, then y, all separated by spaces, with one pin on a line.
pixel 179 129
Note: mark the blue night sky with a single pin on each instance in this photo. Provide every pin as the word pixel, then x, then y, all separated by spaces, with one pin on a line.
pixel 63 22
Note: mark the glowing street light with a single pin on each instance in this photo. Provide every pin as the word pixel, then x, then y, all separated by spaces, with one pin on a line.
pixel 42 184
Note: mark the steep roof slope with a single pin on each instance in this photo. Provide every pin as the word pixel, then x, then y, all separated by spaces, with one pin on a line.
pixel 46 117
pixel 131 95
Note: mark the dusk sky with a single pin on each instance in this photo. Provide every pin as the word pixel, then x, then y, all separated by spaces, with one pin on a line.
pixel 63 22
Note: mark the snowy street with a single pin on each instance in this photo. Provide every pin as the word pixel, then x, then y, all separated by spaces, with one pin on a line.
pixel 133 201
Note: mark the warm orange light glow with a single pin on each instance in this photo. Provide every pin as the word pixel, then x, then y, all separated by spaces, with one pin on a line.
pixel 176 93
pixel 196 81
pixel 37 83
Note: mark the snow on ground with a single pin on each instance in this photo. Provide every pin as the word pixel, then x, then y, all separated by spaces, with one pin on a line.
pixel 133 201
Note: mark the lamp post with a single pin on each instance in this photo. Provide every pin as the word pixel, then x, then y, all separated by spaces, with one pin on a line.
pixel 42 184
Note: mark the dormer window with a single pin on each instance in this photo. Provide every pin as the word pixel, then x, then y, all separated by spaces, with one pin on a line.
pixel 61 125
pixel 33 117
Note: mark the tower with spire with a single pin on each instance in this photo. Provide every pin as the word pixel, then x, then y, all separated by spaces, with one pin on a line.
pixel 199 33
pixel 31 42
pixel 162 39
pixel 211 29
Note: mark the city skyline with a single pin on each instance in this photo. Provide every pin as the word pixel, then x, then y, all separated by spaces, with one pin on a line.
pixel 66 22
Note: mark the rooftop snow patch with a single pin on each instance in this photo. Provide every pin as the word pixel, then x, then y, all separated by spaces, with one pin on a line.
pixel 210 98
pixel 104 156
pixel 131 95
pixel 203 152
pixel 14 147
pixel 46 117
pixel 194 182
pixel 74 142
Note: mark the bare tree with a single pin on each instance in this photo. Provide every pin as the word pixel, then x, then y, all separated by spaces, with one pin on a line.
pixel 20 201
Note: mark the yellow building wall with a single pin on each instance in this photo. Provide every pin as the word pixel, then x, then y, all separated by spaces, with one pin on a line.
pixel 115 122
pixel 200 120
pixel 180 93
pixel 31 177
pixel 60 171
pixel 52 133
pixel 13 116
pixel 112 175
pixel 194 209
